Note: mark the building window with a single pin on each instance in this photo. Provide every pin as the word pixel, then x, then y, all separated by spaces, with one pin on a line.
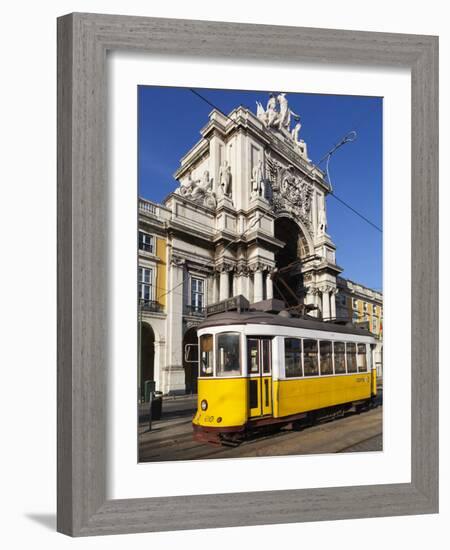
pixel 146 242
pixel 293 357
pixel 197 294
pixel 375 325
pixel 146 284
pixel 355 303
pixel 355 316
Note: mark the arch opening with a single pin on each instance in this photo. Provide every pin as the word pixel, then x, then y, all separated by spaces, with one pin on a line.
pixel 288 261
pixel 147 360
pixel 190 360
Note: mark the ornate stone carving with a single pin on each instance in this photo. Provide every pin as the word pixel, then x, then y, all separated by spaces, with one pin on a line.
pixel 225 179
pixel 290 192
pixel 176 261
pixel 322 219
pixel 278 116
pixel 260 266
pixel 327 288
pixel 258 187
pixel 242 269
pixel 199 190
pixel 224 267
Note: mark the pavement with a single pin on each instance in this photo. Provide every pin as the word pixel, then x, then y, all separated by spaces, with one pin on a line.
pixel 171 437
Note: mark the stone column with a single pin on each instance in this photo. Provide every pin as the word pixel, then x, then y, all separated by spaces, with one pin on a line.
pixel 224 291
pixel 241 286
pixel 325 303
pixel 158 363
pixel 269 286
pixel 245 284
pixel 174 374
pixel 215 288
pixel 333 303
pixel 258 289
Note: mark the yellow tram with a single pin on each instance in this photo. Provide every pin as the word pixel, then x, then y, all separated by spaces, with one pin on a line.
pixel 265 370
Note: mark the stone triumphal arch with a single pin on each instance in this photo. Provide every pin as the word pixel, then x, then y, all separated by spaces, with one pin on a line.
pixel 248 216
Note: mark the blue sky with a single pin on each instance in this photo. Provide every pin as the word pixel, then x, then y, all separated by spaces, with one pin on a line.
pixel 169 123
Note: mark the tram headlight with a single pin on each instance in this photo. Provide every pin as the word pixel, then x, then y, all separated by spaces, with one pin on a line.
pixel 204 405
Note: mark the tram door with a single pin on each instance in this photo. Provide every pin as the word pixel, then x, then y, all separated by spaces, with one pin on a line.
pixel 259 365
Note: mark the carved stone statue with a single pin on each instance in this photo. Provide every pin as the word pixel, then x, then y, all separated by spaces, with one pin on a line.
pixel 271 111
pixel 203 186
pixel 284 120
pixel 322 220
pixel 225 179
pixel 258 179
pixel 199 190
pixel 261 113
pixel 295 131
pixel 187 186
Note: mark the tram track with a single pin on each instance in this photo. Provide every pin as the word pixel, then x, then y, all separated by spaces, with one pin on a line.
pixel 174 441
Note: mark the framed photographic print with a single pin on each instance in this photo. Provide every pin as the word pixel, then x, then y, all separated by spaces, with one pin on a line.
pixel 271 193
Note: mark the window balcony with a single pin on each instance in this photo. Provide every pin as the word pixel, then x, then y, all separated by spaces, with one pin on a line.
pixel 151 306
pixel 195 311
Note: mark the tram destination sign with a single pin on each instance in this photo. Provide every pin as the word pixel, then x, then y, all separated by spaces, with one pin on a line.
pixel 238 303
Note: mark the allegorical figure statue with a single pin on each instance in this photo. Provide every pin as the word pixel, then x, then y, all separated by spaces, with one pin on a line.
pixel 284 120
pixel 258 179
pixel 187 186
pixel 225 179
pixel 322 220
pixel 271 110
pixel 199 190
pixel 295 131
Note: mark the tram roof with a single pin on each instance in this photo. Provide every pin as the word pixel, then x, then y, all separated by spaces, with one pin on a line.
pixel 264 318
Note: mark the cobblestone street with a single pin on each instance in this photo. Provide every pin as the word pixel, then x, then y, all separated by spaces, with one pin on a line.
pixel 171 437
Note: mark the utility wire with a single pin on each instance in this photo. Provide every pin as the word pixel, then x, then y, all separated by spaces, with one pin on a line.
pixel 212 262
pixel 351 136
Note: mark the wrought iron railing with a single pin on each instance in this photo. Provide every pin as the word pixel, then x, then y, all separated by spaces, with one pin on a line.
pixel 151 305
pixel 196 311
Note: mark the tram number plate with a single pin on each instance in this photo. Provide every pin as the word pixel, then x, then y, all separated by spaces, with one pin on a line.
pixel 363 379
pixel 208 419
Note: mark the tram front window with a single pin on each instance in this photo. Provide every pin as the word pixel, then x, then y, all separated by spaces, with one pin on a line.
pixel 228 354
pixel 206 355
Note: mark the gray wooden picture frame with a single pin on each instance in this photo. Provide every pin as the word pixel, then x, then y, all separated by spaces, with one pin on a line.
pixel 83 41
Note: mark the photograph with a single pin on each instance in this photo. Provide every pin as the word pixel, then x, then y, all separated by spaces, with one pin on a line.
pixel 259 273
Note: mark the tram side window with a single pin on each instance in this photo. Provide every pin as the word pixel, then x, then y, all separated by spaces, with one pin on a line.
pixel 362 358
pixel 228 354
pixel 293 357
pixel 339 358
pixel 326 358
pixel 206 355
pixel 310 358
pixel 351 357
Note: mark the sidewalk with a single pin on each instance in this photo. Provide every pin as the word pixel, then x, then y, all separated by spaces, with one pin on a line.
pixel 171 406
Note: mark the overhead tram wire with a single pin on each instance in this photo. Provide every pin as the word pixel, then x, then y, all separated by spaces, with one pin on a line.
pixel 351 136
pixel 346 139
pixel 211 263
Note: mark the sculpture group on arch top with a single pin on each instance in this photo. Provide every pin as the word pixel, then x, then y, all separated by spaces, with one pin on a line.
pixel 282 187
